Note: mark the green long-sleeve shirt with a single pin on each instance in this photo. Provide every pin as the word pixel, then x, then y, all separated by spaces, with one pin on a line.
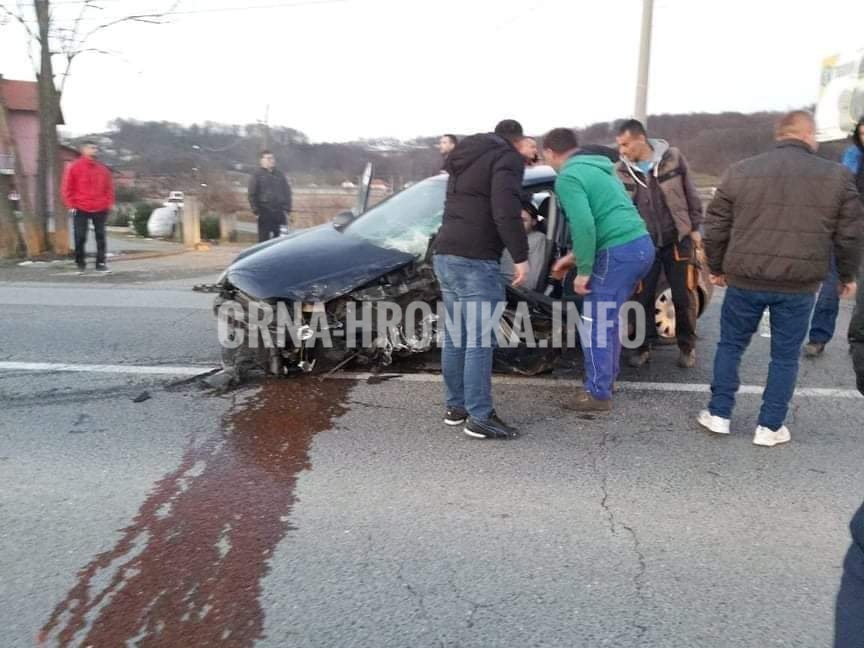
pixel 598 209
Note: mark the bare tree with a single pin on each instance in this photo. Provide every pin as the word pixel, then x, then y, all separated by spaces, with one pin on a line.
pixel 53 39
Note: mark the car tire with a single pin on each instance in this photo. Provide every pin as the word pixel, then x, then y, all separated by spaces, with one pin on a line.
pixel 664 314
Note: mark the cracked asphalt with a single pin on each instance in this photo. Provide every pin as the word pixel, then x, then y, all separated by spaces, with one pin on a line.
pixel 343 513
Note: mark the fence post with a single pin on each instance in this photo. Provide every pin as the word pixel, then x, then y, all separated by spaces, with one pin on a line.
pixel 227 225
pixel 191 221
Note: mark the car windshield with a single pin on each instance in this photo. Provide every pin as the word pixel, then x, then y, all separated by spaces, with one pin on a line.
pixel 407 220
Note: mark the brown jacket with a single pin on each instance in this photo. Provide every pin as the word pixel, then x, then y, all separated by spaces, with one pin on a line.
pixel 777 218
pixel 666 198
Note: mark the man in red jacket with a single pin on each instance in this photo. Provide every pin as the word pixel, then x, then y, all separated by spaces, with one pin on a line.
pixel 88 190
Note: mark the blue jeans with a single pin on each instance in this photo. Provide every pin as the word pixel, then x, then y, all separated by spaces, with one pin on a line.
pixel 472 291
pixel 742 312
pixel 617 270
pixel 827 308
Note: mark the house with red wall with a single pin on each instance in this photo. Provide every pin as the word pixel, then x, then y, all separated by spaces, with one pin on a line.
pixel 20 100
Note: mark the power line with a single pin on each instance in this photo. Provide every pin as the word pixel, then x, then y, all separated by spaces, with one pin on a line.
pixel 188 12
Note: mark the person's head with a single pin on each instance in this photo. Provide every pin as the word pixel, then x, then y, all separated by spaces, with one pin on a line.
pixel 858 134
pixel 633 141
pixel 527 148
pixel 510 129
pixel 530 217
pixel 797 125
pixel 267 160
pixel 558 145
pixel 89 149
pixel 447 143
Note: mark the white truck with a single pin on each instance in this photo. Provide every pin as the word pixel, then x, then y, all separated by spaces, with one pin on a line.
pixel 841 96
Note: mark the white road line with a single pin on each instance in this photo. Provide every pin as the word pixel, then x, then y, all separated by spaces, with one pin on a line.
pixel 158 370
pixel 700 388
pixel 167 370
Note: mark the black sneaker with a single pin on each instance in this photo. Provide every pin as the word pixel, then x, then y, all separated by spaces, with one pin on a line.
pixel 455 416
pixel 101 267
pixel 82 268
pixel 491 428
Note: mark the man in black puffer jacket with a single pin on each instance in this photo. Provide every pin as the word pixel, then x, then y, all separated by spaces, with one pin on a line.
pixel 482 217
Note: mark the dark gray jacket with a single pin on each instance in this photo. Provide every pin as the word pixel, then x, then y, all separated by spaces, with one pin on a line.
pixel 269 191
pixel 777 217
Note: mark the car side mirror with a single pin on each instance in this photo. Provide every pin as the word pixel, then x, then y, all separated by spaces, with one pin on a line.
pixel 343 219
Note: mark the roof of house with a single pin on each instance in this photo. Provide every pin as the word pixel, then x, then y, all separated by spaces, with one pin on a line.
pixel 21 95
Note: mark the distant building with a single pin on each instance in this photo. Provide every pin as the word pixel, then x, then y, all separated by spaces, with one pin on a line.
pixel 20 100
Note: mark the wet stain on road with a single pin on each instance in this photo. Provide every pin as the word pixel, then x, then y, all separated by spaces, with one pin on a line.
pixel 188 570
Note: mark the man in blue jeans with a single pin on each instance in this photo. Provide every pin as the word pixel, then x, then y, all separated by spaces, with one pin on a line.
pixel 612 251
pixel 770 232
pixel 482 217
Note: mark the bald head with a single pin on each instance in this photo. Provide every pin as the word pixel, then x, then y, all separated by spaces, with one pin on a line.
pixel 797 125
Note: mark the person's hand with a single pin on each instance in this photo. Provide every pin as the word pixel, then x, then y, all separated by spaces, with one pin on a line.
pixel 848 290
pixel 696 237
pixel 562 266
pixel 520 273
pixel 580 285
pixel 717 280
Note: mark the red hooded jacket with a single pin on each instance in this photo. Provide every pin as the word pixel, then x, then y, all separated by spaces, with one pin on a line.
pixel 88 186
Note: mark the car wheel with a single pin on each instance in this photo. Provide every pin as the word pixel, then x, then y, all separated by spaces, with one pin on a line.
pixel 664 314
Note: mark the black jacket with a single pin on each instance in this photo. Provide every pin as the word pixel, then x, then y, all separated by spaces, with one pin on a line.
pixel 776 219
pixel 269 191
pixel 849 621
pixel 482 214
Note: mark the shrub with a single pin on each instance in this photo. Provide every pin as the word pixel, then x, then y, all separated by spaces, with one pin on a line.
pixel 210 228
pixel 141 216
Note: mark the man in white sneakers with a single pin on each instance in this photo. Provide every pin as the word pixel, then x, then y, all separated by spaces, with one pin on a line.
pixel 770 231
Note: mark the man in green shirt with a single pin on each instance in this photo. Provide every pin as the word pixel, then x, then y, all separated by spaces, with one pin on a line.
pixel 612 251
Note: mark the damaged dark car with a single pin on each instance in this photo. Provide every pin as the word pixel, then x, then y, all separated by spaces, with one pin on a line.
pixel 383 255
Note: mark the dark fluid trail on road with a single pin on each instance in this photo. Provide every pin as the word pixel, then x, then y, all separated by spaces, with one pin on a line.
pixel 188 570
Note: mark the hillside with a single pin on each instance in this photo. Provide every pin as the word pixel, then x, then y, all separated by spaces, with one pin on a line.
pixel 185 156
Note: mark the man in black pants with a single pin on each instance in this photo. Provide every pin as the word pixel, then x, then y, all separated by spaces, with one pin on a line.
pixel 88 190
pixel 269 197
pixel 658 180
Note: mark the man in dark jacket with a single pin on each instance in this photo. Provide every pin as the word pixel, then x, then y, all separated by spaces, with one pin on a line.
pixel 482 217
pixel 769 235
pixel 269 197
pixel 658 180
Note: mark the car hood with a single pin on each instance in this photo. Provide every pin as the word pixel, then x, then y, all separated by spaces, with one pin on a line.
pixel 318 264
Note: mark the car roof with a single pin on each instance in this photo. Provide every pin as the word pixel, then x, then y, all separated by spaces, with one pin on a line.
pixel 538 175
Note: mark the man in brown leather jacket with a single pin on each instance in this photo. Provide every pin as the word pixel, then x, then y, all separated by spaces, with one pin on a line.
pixel 658 180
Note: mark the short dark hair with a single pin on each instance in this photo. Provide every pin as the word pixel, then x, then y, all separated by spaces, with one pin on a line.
pixel 560 140
pixel 265 152
pixel 452 138
pixel 632 126
pixel 509 129
pixel 89 143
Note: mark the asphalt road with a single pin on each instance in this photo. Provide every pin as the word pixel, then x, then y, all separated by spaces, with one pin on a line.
pixel 342 513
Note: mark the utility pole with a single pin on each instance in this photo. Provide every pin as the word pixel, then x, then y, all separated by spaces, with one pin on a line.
pixel 641 111
pixel 265 130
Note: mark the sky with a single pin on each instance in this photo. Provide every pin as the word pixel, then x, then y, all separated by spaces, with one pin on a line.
pixel 342 70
